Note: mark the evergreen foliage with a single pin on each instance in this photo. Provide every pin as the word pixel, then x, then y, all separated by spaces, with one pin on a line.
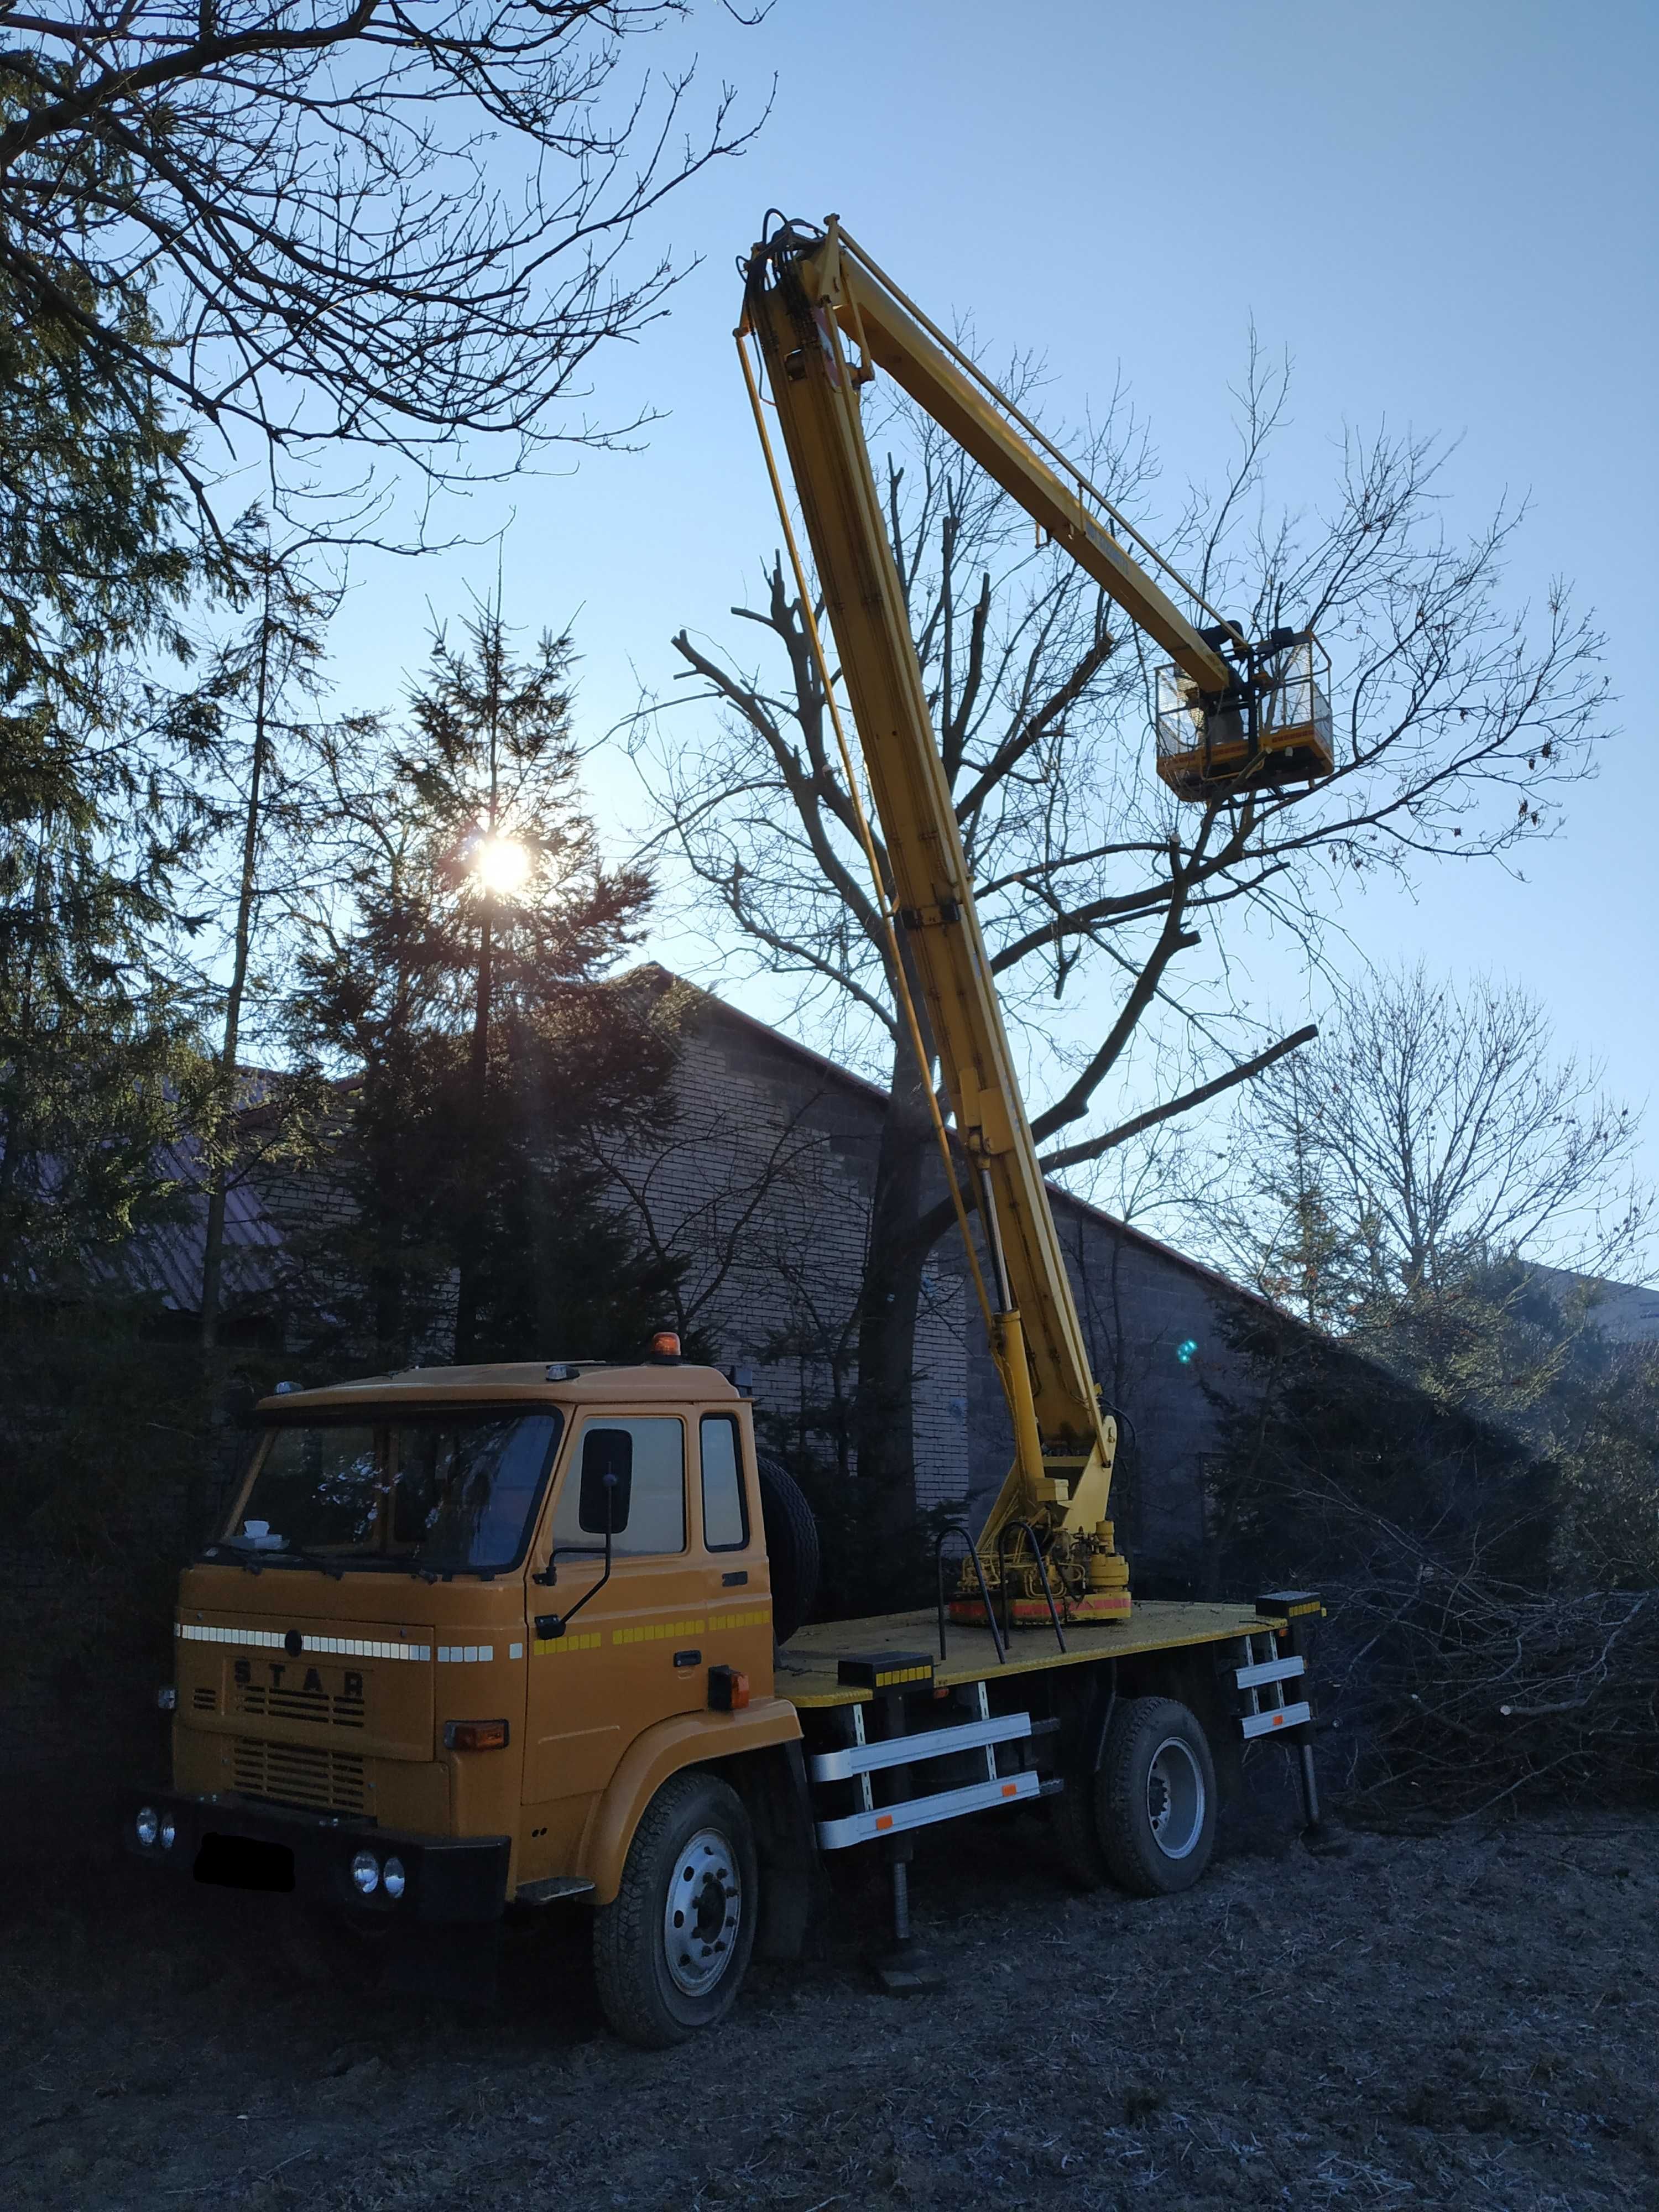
pixel 458 1008
pixel 94 1036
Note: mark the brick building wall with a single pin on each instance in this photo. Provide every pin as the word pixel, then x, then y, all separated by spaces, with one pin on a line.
pixel 765 1188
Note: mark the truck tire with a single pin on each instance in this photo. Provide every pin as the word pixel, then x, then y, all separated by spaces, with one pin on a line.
pixel 791 1546
pixel 670 1951
pixel 1077 1836
pixel 1155 1798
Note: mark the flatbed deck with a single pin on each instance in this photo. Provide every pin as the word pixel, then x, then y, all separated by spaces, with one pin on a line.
pixel 807 1667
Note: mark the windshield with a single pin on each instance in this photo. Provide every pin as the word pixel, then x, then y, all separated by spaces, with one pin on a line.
pixel 444 1494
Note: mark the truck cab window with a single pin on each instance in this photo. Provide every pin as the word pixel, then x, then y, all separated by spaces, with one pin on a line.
pixel 649 1508
pixel 449 1495
pixel 725 1514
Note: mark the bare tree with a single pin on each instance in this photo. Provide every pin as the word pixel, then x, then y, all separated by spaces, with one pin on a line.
pixel 1438 1191
pixel 706 1200
pixel 358 224
pixel 1460 718
pixel 1429 1131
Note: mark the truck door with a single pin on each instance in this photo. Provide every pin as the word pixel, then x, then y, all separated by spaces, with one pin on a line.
pixel 735 1575
pixel 632 1653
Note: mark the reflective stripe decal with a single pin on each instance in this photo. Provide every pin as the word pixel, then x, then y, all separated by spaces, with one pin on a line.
pixel 653 1631
pixel 271 1640
pixel 458 1655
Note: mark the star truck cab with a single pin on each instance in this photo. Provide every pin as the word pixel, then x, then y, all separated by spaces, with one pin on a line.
pixel 462 1627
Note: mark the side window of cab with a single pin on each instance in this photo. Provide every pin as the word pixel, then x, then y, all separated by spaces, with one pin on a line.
pixel 724 1502
pixel 631 1472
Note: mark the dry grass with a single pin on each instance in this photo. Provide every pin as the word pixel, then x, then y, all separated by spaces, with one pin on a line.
pixel 1461 2021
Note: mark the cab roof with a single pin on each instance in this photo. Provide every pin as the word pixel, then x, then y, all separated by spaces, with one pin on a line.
pixel 531 1381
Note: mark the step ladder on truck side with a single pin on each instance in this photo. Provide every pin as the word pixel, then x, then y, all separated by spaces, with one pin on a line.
pixel 906 1741
pixel 867 1789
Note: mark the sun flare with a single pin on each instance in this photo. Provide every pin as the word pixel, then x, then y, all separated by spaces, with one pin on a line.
pixel 502 865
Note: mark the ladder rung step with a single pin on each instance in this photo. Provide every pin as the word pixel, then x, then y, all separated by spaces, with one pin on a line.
pixel 1268 1670
pixel 919 1812
pixel 1270 1723
pixel 908 1750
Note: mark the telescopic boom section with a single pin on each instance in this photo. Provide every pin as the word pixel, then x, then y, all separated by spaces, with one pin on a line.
pixel 821 319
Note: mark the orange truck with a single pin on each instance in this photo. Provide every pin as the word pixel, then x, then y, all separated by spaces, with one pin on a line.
pixel 481 1637
pixel 489 1637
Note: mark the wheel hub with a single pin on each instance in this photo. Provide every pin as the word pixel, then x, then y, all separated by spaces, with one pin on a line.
pixel 702 1912
pixel 1175 1798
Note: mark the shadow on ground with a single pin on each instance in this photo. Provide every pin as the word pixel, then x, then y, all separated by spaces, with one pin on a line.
pixel 1468 2021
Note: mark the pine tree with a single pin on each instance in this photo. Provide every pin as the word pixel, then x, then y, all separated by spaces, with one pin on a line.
pixel 94 1039
pixel 461 997
pixel 248 733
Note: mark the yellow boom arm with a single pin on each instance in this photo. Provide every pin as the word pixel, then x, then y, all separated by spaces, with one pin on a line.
pixel 825 319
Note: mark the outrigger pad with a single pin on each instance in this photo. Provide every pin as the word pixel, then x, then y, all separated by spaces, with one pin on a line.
pixel 909 1972
pixel 886 1670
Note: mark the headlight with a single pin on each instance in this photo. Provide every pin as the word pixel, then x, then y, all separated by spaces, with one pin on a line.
pixel 148 1825
pixel 168 1834
pixel 366 1873
pixel 394 1877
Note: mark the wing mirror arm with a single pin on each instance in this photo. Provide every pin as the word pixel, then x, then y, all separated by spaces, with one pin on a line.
pixel 550 1626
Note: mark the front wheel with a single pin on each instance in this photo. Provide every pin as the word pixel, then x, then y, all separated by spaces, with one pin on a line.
pixel 1155 1798
pixel 670 1951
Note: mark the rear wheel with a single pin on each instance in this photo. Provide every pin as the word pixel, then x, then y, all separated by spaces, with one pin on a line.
pixel 670 1951
pixel 792 1548
pixel 1077 1839
pixel 1155 1798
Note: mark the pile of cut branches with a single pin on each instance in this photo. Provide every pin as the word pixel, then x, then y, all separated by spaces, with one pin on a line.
pixel 1455 1690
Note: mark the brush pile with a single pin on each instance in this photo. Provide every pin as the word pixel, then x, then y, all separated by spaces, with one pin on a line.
pixel 1454 1691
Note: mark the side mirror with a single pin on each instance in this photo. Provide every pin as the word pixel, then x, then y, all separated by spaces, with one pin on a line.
pixel 607 1482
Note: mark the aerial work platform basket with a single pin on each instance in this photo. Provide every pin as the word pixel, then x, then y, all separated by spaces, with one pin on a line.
pixel 1276 731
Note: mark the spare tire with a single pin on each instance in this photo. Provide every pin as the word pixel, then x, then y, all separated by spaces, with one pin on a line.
pixel 791 1546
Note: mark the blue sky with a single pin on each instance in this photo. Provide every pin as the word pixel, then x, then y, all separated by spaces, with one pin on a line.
pixel 1445 213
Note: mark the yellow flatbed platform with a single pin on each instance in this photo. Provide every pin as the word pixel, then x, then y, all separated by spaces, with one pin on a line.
pixel 806 1665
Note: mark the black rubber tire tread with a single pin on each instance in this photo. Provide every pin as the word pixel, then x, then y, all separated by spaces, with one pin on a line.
pixel 791 1546
pixel 636 1995
pixel 1077 1840
pixel 1132 1858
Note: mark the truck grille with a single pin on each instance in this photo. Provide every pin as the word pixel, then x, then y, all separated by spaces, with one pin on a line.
pixel 317 1706
pixel 298 1774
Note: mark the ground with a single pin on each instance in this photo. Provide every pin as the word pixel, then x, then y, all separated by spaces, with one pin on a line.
pixel 1469 2020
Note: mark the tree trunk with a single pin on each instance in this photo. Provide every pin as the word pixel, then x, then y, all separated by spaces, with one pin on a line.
pixel 385 1267
pixel 883 1410
pixel 213 1250
pixel 469 1228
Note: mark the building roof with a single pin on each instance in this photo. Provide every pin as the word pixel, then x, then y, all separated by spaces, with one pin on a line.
pixel 653 973
pixel 1625 1313
pixel 166 1258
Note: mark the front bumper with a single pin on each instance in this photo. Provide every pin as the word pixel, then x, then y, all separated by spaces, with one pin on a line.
pixel 449 1880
